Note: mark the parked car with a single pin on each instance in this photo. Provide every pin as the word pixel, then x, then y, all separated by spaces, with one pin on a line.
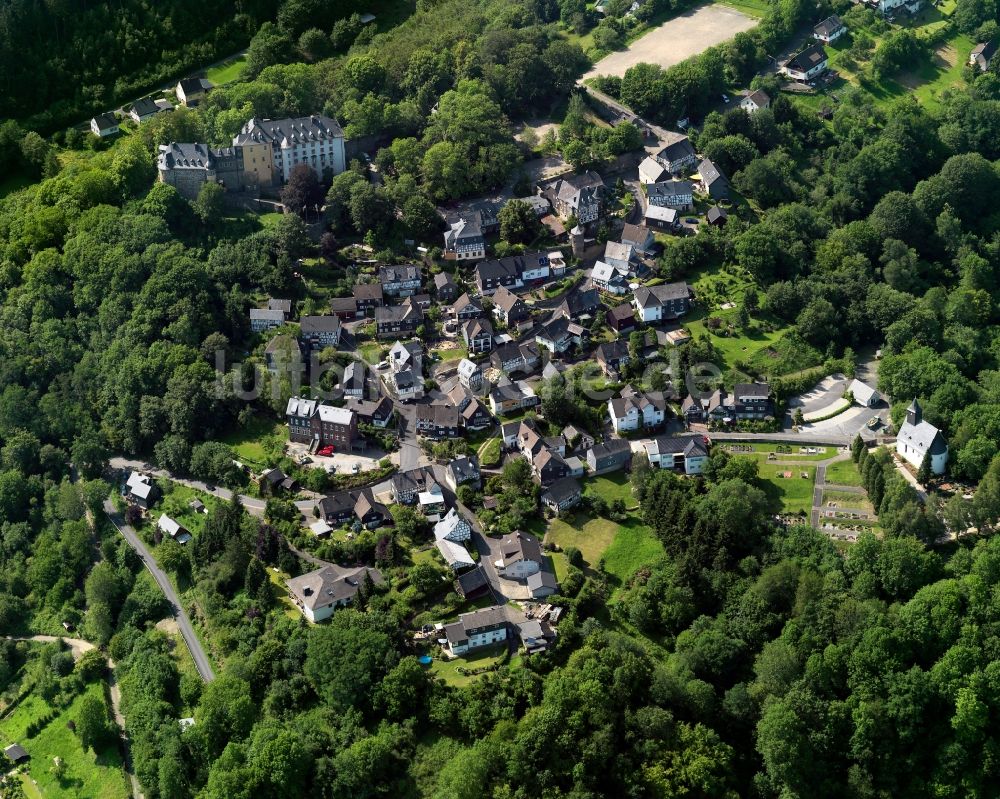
pixel 725 98
pixel 874 422
pixel 356 468
pixel 325 451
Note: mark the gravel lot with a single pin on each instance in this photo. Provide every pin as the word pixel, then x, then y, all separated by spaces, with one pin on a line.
pixel 677 39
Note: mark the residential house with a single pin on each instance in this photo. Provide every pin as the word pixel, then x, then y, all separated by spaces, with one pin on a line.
pixel 406 486
pixel 283 354
pixel 445 288
pixel 863 394
pixel 465 307
pixel 677 194
pixel 548 466
pixel 463 471
pixel 748 401
pixel 619 255
pixel 508 434
pixel 577 439
pixel 172 528
pixel 660 217
pixel 377 413
pixel 470 374
pixel 562 495
pixel 478 335
pixel 660 303
pixel 684 454
pixel 806 64
pixel 639 237
pixel 509 308
pixel 276 304
pixel 320 425
pixel 982 54
pixel 491 275
pixel 677 156
pixel 712 181
pixel 147 108
pixel 560 334
pixel 275 480
pixel 511 398
pixel 610 278
pixel 513 357
pixel 520 556
pixel 476 629
pixel 432 503
pixel 321 331
pixel 352 383
pixel 141 490
pixel 319 593
pixel 652 171
pixel 392 321
pixel 621 318
pixel 463 241
pixel 400 281
pixel 405 385
pixel 475 416
pixel 438 421
pixel 455 556
pixel 612 356
pixel 344 307
pixel 611 455
pixel 829 30
pixel 637 411
pixel 716 216
pixel 265 319
pixel 190 91
pixel 405 355
pixel 367 297
pixel 104 125
pixel 453 527
pixel 580 196
pixel 358 505
pixel 557 264
pixel 755 101
pixel 580 304
pixel 918 438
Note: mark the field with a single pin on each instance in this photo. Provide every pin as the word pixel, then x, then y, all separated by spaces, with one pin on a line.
pixel 634 546
pixel 227 71
pixel 611 487
pixel 591 537
pixel 677 39
pixel 843 473
pixel 86 774
pixel 789 494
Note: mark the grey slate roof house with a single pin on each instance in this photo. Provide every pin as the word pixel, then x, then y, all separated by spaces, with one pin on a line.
pixel 677 156
pixel 400 281
pixel 982 54
pixel 581 196
pixel 609 456
pixel 562 495
pixel 713 182
pixel 321 331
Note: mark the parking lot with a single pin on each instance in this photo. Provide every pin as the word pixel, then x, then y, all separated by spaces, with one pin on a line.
pixel 339 462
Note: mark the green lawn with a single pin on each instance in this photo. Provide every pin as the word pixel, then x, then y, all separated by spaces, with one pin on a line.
pixel 451 354
pixel 635 546
pixel 227 71
pixel 490 454
pixel 269 219
pixel 752 8
pixel 86 774
pixel 448 670
pixel 591 536
pixel 611 487
pixel 175 504
pixel 761 451
pixel 789 494
pixel 255 442
pixel 847 499
pixel 844 473
pixel 371 351
pixel 732 349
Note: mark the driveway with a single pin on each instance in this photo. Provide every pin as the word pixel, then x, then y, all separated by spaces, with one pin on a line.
pixel 409 453
pixel 201 661
pixel 826 393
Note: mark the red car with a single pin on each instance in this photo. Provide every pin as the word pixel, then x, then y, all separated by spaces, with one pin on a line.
pixel 328 450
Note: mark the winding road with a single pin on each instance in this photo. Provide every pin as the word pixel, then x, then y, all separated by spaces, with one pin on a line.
pixel 201 661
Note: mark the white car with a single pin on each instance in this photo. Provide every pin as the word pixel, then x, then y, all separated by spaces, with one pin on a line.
pixel 356 468
pixel 725 98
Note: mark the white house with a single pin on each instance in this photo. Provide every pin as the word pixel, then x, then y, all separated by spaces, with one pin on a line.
pixel 686 454
pixel 476 630
pixel 755 101
pixel 652 171
pixel 656 303
pixel 452 528
pixel 609 278
pixel 104 125
pixel 829 30
pixel 520 556
pixel 916 438
pixel 318 593
pixel 677 194
pixel 807 64
pixel 172 528
pixel 636 411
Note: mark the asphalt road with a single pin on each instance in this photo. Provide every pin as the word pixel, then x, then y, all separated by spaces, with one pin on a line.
pixel 201 661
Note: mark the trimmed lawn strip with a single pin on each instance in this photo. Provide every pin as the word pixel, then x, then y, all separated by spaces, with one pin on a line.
pixel 227 71
pixel 844 473
pixel 789 494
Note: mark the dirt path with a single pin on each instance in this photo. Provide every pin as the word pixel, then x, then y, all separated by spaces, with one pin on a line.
pixel 77 645
pixel 677 40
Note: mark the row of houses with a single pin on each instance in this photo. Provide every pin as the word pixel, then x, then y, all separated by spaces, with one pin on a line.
pixel 188 91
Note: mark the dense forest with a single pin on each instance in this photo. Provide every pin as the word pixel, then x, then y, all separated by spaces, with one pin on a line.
pixel 751 659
